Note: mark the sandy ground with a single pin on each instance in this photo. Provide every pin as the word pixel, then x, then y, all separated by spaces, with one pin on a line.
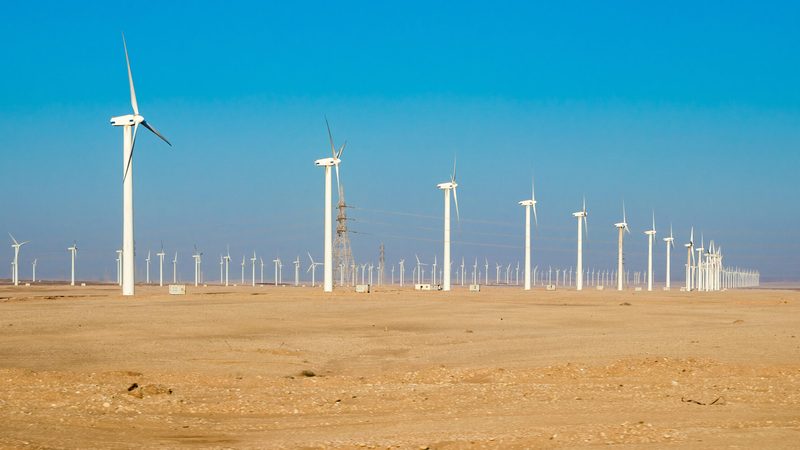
pixel 224 368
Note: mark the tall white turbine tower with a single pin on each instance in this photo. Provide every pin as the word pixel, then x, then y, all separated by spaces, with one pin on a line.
pixel 119 267
pixel 622 227
pixel 670 243
pixel 130 124
pixel 528 204
pixel 175 268
pixel 447 187
pixel 147 264
pixel 581 216
pixel 160 255
pixel 227 259
pixel 313 269
pixel 33 276
pixel 16 246
pixel 253 264
pixel 243 264
pixel 297 271
pixel 689 257
pixel 197 259
pixel 72 250
pixel 651 235
pixel 327 163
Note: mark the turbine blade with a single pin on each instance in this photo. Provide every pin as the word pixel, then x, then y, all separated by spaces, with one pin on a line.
pixel 330 137
pixel 455 198
pixel 586 227
pixel 130 77
pixel 150 127
pixel 341 150
pixel 12 238
pixel 535 219
pixel 130 158
pixel 453 179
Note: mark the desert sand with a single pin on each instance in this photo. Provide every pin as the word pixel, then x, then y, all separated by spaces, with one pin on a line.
pixel 284 367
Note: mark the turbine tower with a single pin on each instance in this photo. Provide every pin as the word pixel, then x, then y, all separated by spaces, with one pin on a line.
pixel 197 261
pixel 327 163
pixel 253 264
pixel 581 216
pixel 447 187
pixel 175 268
pixel 72 250
pixel 130 124
pixel 689 257
pixel 622 227
pixel 147 264
pixel 16 246
pixel 651 234
pixel 160 266
pixel 528 204
pixel 33 276
pixel 670 243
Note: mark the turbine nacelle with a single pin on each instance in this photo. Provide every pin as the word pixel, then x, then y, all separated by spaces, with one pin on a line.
pixel 580 214
pixel 127 120
pixel 327 162
pixel 447 185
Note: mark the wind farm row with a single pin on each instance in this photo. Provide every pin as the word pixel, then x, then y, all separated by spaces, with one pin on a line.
pixel 704 272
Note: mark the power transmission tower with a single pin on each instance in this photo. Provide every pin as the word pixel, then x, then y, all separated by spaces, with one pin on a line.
pixel 342 255
pixel 381 266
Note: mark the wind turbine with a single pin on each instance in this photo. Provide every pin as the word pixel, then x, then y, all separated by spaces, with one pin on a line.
pixel 447 187
pixel 528 204
pixel 420 270
pixel 327 163
pixel 581 216
pixel 402 271
pixel 689 257
pixel 147 263
pixel 197 259
pixel 313 269
pixel 277 261
pixel 243 264
pixel 433 271
pixel 253 263
pixel 622 227
pixel 130 124
pixel 221 265
pixel 297 271
pixel 16 246
pixel 227 259
pixel 160 255
pixel 119 267
pixel 651 233
pixel 670 243
pixel 262 269
pixel 175 268
pixel 73 250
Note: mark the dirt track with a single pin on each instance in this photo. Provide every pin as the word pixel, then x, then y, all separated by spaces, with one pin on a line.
pixel 502 368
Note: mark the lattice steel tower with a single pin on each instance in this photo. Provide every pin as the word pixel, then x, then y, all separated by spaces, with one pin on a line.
pixel 342 255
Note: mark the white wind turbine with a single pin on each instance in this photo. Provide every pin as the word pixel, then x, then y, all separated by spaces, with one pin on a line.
pixel 130 124
pixel 243 264
pixel 227 259
pixel 197 259
pixel 175 268
pixel 253 263
pixel 16 246
pixel 119 267
pixel 33 277
pixel 297 271
pixel 420 270
pixel 262 269
pixel 327 163
pixel 160 255
pixel 622 227
pixel 313 269
pixel 277 262
pixel 402 271
pixel 433 271
pixel 72 250
pixel 447 187
pixel 147 264
pixel 528 204
pixel 670 243
pixel 581 216
pixel 651 234
pixel 689 257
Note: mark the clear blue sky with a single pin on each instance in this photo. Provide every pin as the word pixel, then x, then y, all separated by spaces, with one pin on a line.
pixel 691 109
